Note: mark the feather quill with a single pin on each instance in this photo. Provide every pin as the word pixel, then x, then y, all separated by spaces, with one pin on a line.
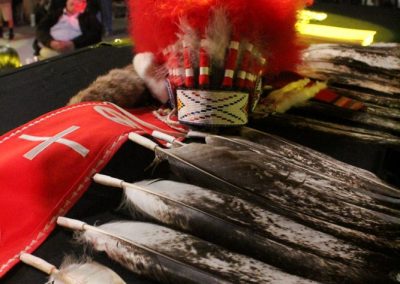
pixel 319 161
pixel 357 191
pixel 252 180
pixel 282 183
pixel 169 256
pixel 250 229
pixel 73 272
pixel 368 189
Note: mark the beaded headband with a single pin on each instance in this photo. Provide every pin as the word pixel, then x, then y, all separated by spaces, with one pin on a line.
pixel 216 52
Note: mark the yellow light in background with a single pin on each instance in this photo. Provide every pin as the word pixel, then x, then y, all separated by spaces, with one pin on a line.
pixel 307 16
pixel 122 42
pixel 9 58
pixel 336 34
pixel 324 33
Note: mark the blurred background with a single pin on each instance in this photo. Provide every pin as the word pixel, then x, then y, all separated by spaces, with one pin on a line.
pixel 382 16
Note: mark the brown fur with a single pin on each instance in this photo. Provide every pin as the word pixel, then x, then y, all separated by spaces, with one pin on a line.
pixel 121 86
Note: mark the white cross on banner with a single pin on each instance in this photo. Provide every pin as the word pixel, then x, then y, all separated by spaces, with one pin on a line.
pixel 48 141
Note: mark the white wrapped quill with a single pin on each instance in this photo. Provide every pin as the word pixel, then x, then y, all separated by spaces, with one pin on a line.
pixel 71 272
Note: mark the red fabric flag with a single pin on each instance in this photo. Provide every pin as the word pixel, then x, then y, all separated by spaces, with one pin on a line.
pixel 47 164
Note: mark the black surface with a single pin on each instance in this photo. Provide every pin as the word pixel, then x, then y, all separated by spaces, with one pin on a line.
pixel 38 88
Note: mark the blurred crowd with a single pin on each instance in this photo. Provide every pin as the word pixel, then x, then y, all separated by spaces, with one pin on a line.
pixel 381 3
pixel 65 25
pixel 61 25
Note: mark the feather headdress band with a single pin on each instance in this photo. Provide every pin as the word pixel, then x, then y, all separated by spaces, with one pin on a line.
pixel 215 51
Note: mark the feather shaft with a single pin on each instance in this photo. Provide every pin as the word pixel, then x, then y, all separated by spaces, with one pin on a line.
pixel 281 184
pixel 296 152
pixel 356 192
pixel 139 139
pixel 131 254
pixel 163 154
pixel 319 161
pixel 173 257
pixel 249 229
pixel 209 166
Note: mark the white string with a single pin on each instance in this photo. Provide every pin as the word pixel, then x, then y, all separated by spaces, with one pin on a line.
pixel 181 132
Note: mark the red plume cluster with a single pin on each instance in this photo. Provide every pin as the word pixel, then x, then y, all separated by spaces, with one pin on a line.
pixel 154 24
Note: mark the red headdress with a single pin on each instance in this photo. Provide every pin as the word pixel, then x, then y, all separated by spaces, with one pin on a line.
pixel 217 44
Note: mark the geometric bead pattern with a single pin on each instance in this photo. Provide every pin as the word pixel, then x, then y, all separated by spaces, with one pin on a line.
pixel 208 107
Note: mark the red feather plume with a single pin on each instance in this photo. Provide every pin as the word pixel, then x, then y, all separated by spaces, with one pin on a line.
pixel 154 25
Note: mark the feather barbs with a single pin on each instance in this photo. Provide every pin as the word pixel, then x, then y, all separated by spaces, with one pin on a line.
pixel 156 24
pixel 216 52
pixel 73 271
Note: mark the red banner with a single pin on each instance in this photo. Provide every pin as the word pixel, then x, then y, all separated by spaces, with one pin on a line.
pixel 47 164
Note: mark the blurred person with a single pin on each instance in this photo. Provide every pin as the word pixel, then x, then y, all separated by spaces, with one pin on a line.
pixel 41 9
pixel 106 16
pixel 9 58
pixel 18 13
pixel 6 14
pixel 67 29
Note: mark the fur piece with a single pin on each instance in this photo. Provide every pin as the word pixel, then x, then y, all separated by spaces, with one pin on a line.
pixel 120 86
